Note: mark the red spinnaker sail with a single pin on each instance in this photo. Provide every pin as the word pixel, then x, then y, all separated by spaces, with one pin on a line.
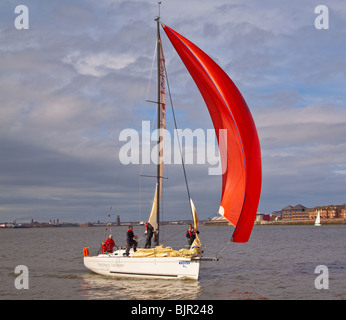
pixel 236 133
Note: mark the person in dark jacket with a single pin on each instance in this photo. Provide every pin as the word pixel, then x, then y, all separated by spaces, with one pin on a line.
pixel 131 241
pixel 149 230
pixel 191 234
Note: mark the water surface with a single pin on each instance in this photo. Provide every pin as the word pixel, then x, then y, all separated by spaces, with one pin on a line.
pixel 277 263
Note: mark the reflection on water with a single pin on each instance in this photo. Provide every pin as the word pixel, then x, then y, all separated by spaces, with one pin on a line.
pixel 95 286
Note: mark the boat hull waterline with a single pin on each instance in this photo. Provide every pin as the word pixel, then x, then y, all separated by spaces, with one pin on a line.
pixel 116 265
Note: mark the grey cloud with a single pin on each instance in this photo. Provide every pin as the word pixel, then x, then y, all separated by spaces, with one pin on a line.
pixel 79 76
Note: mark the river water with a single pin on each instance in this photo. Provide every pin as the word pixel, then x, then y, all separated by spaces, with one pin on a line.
pixel 278 262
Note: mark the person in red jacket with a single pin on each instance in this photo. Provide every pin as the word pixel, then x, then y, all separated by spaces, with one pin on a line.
pixel 103 248
pixel 109 243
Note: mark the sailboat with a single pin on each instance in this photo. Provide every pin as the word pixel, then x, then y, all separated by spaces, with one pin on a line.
pixel 318 219
pixel 241 166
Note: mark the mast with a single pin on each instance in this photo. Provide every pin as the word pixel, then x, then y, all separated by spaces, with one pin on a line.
pixel 157 240
pixel 154 218
pixel 159 133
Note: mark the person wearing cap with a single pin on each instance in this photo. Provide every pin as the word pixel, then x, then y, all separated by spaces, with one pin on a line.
pixel 131 241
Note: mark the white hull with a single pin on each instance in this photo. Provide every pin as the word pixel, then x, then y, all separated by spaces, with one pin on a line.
pixel 116 265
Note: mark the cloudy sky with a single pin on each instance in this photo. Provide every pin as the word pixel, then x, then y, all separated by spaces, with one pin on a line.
pixel 79 76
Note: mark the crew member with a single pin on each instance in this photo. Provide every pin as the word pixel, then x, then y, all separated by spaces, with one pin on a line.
pixel 191 234
pixel 131 241
pixel 149 230
pixel 110 244
pixel 103 248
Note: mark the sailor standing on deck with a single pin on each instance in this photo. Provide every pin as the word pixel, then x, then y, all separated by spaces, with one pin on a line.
pixel 149 230
pixel 131 241
pixel 191 234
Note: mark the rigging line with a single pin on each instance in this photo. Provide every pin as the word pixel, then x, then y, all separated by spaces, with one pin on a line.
pixel 150 176
pixel 147 99
pixel 226 245
pixel 110 223
pixel 140 197
pixel 180 150
pixel 174 235
pixel 147 150
pixel 144 155
pixel 108 217
pixel 151 72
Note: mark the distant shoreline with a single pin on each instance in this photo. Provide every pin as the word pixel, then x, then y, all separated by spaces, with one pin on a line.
pixel 286 222
pixel 205 223
pixel 303 222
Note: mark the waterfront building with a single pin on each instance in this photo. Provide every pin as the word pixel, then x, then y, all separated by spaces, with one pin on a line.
pixel 328 212
pixel 300 212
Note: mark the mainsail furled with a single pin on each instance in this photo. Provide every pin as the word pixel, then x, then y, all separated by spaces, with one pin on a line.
pixel 161 124
pixel 153 214
pixel 197 242
pixel 236 133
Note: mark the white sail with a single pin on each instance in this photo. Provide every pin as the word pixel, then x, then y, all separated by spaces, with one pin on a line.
pixel 153 215
pixel 197 242
pixel 318 219
pixel 194 215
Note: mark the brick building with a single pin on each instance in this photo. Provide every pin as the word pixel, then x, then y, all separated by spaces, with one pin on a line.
pixel 329 212
pixel 299 212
